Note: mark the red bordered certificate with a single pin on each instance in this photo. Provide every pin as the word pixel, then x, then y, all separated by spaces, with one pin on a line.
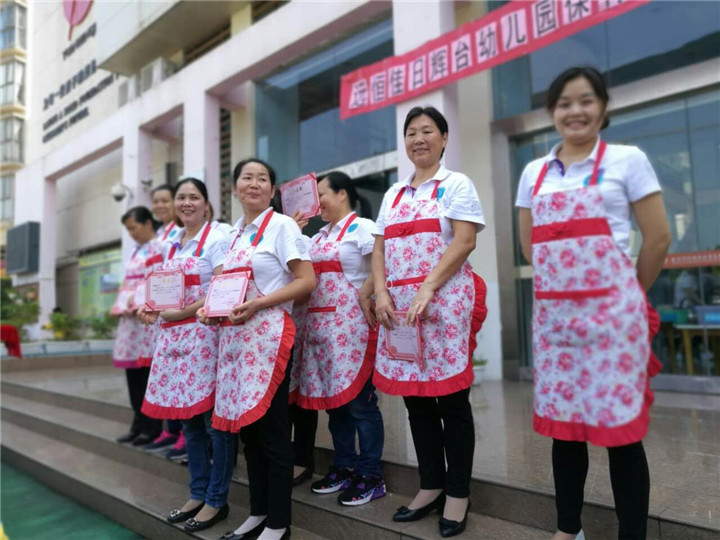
pixel 301 195
pixel 165 289
pixel 403 342
pixel 226 291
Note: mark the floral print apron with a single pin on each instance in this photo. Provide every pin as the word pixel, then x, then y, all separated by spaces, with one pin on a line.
pixel 182 376
pixel 252 356
pixel 413 247
pixel 299 317
pixel 592 324
pixel 149 332
pixel 339 348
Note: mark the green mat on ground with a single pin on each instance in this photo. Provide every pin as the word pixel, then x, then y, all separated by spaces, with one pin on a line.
pixel 31 511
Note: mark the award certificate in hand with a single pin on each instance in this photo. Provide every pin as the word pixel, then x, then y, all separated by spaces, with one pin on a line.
pixel 139 296
pixel 403 341
pixel 165 289
pixel 301 195
pixel 226 291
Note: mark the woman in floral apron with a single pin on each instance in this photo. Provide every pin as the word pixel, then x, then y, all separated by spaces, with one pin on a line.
pixel 592 325
pixel 254 350
pixel 163 207
pixel 338 350
pixel 426 229
pixel 182 377
pixel 140 226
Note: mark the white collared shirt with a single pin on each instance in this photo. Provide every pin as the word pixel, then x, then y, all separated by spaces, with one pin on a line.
pixel 281 243
pixel 211 256
pixel 355 247
pixel 224 228
pixel 457 199
pixel 625 176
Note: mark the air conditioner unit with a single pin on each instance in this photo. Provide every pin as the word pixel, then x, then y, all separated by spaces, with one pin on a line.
pixel 127 90
pixel 154 73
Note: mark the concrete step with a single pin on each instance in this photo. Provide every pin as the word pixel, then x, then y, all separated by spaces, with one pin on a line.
pixel 319 514
pixel 134 498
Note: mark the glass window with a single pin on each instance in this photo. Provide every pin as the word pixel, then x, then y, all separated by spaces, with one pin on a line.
pixel 12 83
pixel 13 22
pixel 6 197
pixel 298 122
pixel 12 139
pixel 651 39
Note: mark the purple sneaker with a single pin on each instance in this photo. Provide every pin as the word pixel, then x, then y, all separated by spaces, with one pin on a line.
pixel 364 489
pixel 337 479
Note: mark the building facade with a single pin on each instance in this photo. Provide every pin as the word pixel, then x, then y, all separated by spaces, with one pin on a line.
pixel 189 88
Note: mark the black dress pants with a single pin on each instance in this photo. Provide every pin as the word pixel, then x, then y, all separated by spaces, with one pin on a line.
pixel 443 429
pixel 137 380
pixel 629 476
pixel 304 424
pixel 269 456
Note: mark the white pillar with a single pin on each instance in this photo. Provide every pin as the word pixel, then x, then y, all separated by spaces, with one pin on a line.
pixel 435 18
pixel 136 166
pixel 35 201
pixel 201 142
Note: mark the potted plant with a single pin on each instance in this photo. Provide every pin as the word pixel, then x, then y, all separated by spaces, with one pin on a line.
pixel 478 369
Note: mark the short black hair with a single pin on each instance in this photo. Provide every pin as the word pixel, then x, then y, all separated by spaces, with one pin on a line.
pixel 199 184
pixel 140 214
pixel 164 187
pixel 592 75
pixel 338 180
pixel 432 112
pixel 239 168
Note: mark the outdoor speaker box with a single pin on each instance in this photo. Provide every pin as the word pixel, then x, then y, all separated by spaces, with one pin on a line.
pixel 23 248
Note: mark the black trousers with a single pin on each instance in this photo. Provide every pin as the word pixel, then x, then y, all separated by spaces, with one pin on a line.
pixel 269 456
pixel 304 424
pixel 629 476
pixel 137 380
pixel 443 429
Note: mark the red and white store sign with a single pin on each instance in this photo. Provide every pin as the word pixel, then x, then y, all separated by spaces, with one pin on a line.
pixel 693 260
pixel 519 27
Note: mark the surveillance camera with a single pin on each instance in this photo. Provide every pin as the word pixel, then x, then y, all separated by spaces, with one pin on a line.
pixel 118 192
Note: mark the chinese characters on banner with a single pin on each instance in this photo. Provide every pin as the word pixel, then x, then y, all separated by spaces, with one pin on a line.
pixel 515 29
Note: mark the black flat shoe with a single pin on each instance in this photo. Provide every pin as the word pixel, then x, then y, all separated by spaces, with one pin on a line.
pixel 404 514
pixel 307 474
pixel 142 440
pixel 193 525
pixel 178 516
pixel 449 528
pixel 250 535
pixel 128 437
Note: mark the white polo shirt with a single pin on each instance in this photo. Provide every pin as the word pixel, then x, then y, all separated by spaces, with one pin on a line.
pixel 457 199
pixel 355 247
pixel 212 255
pixel 281 242
pixel 224 228
pixel 625 176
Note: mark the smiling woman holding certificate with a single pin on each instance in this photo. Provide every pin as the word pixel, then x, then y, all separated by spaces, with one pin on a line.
pixel 267 252
pixel 182 377
pixel 426 229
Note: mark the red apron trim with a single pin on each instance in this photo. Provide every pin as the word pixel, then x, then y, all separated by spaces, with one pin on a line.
pixel 135 276
pixel 461 381
pixel 575 228
pixel 328 309
pixel 398 197
pixel 228 323
pixel 178 413
pixel 327 266
pixel 181 322
pixel 126 364
pixel 191 279
pixel 572 295
pixel 278 375
pixel 405 281
pixel 412 227
pixel 144 361
pixel 240 269
pixel 352 391
pixel 155 259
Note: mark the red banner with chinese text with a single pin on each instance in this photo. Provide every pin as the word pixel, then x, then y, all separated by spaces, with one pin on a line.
pixel 517 28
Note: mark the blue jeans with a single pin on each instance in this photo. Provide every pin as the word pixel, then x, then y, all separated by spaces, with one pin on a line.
pixel 209 483
pixel 363 416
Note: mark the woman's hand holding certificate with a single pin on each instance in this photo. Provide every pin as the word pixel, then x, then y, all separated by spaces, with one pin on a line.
pixel 301 195
pixel 165 289
pixel 403 340
pixel 226 292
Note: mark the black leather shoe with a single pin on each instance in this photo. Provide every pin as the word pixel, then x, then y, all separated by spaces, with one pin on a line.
pixel 250 535
pixel 128 437
pixel 143 439
pixel 178 516
pixel 404 514
pixel 193 525
pixel 449 528
pixel 307 474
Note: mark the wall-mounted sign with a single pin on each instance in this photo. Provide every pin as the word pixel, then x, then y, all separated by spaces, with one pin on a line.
pixel 75 12
pixel 517 28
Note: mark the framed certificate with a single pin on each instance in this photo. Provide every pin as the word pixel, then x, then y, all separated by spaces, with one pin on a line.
pixel 226 291
pixel 140 295
pixel 301 195
pixel 403 342
pixel 165 289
